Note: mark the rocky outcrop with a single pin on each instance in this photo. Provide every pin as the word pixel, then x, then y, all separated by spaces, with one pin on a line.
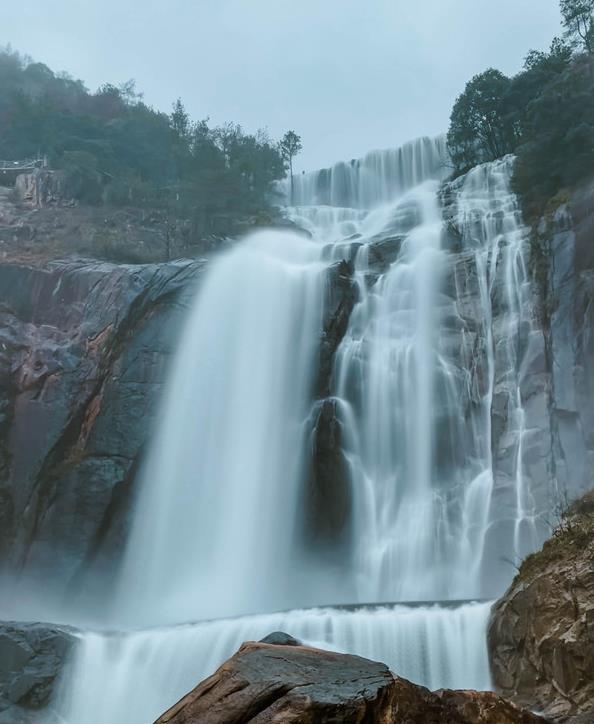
pixel 289 682
pixel 541 636
pixel 328 498
pixel 268 682
pixel 41 187
pixel 31 659
pixel 340 297
pixel 382 253
pixel 417 705
pixel 83 352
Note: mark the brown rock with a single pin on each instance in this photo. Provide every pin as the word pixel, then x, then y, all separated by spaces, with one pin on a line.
pixel 417 705
pixel 265 683
pixel 541 636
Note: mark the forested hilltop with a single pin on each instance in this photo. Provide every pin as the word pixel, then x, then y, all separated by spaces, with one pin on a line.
pixel 544 115
pixel 116 151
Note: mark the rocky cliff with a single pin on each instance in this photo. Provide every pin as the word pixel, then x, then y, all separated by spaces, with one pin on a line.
pixel 541 636
pixel 84 348
pixel 544 390
pixel 564 247
pixel 83 351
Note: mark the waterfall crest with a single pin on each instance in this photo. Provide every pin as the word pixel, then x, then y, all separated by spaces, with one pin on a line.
pixel 377 178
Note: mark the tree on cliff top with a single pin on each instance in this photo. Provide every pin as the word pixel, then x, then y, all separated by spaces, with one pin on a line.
pixel 180 120
pixel 479 127
pixel 290 146
pixel 578 21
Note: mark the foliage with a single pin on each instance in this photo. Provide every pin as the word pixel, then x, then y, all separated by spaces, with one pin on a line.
pixel 578 21
pixel 557 148
pixel 544 114
pixel 290 146
pixel 479 126
pixel 118 150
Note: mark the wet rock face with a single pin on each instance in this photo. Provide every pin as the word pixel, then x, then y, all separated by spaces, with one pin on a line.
pixel 553 378
pixel 84 348
pixel 383 253
pixel 340 298
pixel 83 352
pixel 569 240
pixel 31 659
pixel 328 499
pixel 329 496
pixel 265 683
pixel 273 683
pixel 417 705
pixel 541 636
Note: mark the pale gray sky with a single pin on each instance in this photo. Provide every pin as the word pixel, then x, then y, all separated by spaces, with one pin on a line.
pixel 347 75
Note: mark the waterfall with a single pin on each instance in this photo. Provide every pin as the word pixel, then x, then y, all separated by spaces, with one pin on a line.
pixel 440 646
pixel 214 519
pixel 217 538
pixel 386 372
pixel 490 222
pixel 378 178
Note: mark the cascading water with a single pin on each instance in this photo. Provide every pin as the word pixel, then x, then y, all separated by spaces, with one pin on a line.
pixel 216 533
pixel 490 222
pixel 386 368
pixel 145 671
pixel 209 541
pixel 378 178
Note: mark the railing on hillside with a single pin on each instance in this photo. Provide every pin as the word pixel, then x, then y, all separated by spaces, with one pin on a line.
pixel 23 165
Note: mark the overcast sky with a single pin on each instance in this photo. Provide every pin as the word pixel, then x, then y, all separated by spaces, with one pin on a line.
pixel 347 75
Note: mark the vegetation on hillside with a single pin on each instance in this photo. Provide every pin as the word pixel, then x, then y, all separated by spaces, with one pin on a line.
pixel 117 150
pixel 573 533
pixel 544 114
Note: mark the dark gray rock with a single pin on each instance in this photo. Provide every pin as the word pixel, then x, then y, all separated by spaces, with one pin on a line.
pixel 279 638
pixel 32 657
pixel 83 352
pixel 569 238
pixel 383 252
pixel 340 298
pixel 329 498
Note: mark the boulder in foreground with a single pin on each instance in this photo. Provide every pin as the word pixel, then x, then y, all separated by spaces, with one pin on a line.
pixel 268 682
pixel 32 657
